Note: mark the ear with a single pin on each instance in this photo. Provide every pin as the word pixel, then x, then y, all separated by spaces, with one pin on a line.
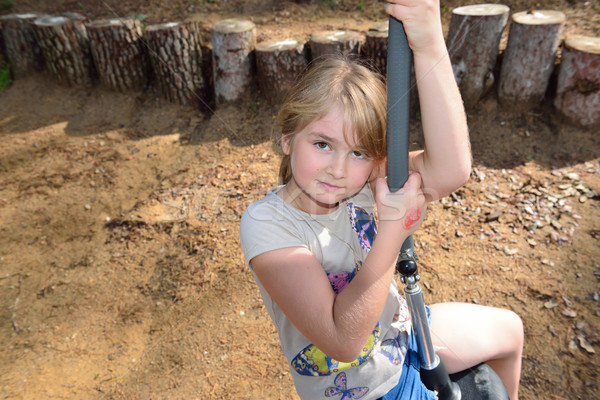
pixel 286 144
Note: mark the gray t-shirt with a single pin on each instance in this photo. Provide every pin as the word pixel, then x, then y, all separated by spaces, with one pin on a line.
pixel 271 224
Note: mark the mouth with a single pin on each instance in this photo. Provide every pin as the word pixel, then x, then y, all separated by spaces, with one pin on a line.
pixel 329 187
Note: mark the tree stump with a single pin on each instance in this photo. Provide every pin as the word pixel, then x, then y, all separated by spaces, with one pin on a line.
pixel 20 44
pixel 278 64
pixel 529 57
pixel 327 43
pixel 66 48
pixel 375 48
pixel 176 58
pixel 118 53
pixel 233 43
pixel 473 41
pixel 2 49
pixel 578 87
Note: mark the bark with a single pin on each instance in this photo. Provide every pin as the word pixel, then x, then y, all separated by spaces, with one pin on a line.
pixel 473 42
pixel 175 51
pixel 578 87
pixel 278 64
pixel 327 43
pixel 66 48
pixel 21 46
pixel 233 43
pixel 375 48
pixel 118 53
pixel 2 49
pixel 529 57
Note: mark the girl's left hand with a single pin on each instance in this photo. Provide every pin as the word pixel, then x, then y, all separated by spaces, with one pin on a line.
pixel 421 19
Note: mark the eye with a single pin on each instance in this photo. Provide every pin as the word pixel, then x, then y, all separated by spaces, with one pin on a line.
pixel 360 154
pixel 322 145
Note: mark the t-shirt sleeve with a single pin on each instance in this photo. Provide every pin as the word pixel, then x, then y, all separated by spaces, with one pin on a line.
pixel 264 228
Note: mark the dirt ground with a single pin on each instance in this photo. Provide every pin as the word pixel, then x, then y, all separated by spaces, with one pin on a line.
pixel 121 274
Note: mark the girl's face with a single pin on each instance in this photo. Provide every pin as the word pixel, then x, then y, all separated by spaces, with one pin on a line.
pixel 325 167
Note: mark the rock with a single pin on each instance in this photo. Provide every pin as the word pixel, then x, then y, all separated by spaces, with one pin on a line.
pixel 493 216
pixel 572 346
pixel 585 344
pixel 567 312
pixel 550 304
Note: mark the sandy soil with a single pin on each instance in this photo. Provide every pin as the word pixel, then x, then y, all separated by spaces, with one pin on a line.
pixel 121 274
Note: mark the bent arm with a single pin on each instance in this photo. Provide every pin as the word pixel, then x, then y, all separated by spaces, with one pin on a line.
pixel 338 324
pixel 445 162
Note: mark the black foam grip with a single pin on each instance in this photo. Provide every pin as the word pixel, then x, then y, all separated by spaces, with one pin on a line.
pixel 480 383
pixel 399 63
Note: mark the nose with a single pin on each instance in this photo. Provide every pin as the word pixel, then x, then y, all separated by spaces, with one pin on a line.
pixel 337 166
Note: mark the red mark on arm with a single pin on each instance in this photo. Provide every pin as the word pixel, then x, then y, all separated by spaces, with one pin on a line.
pixel 412 216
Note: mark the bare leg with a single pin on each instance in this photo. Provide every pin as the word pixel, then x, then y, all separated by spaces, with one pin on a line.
pixel 470 334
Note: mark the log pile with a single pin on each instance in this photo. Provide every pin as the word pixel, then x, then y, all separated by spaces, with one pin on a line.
pixel 171 58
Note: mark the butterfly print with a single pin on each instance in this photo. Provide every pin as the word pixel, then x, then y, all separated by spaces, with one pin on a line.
pixel 311 361
pixel 339 280
pixel 341 388
pixel 395 349
pixel 363 224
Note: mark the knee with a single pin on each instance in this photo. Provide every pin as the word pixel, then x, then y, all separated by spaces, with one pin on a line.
pixel 514 326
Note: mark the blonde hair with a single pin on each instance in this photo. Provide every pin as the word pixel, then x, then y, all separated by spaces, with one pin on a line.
pixel 327 81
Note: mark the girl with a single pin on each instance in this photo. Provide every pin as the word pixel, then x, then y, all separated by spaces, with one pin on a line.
pixel 322 246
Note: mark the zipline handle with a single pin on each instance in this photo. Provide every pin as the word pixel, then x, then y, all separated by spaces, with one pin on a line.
pixel 399 62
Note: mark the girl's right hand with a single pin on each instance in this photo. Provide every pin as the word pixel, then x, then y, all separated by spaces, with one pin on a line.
pixel 404 209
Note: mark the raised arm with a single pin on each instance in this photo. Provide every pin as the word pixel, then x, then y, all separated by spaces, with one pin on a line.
pixel 445 162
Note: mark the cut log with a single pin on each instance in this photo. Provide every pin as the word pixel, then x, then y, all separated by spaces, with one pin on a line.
pixel 375 48
pixel 66 48
pixel 118 53
pixel 578 87
pixel 473 41
pixel 20 44
pixel 233 43
pixel 329 43
pixel 529 57
pixel 278 64
pixel 3 59
pixel 176 58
